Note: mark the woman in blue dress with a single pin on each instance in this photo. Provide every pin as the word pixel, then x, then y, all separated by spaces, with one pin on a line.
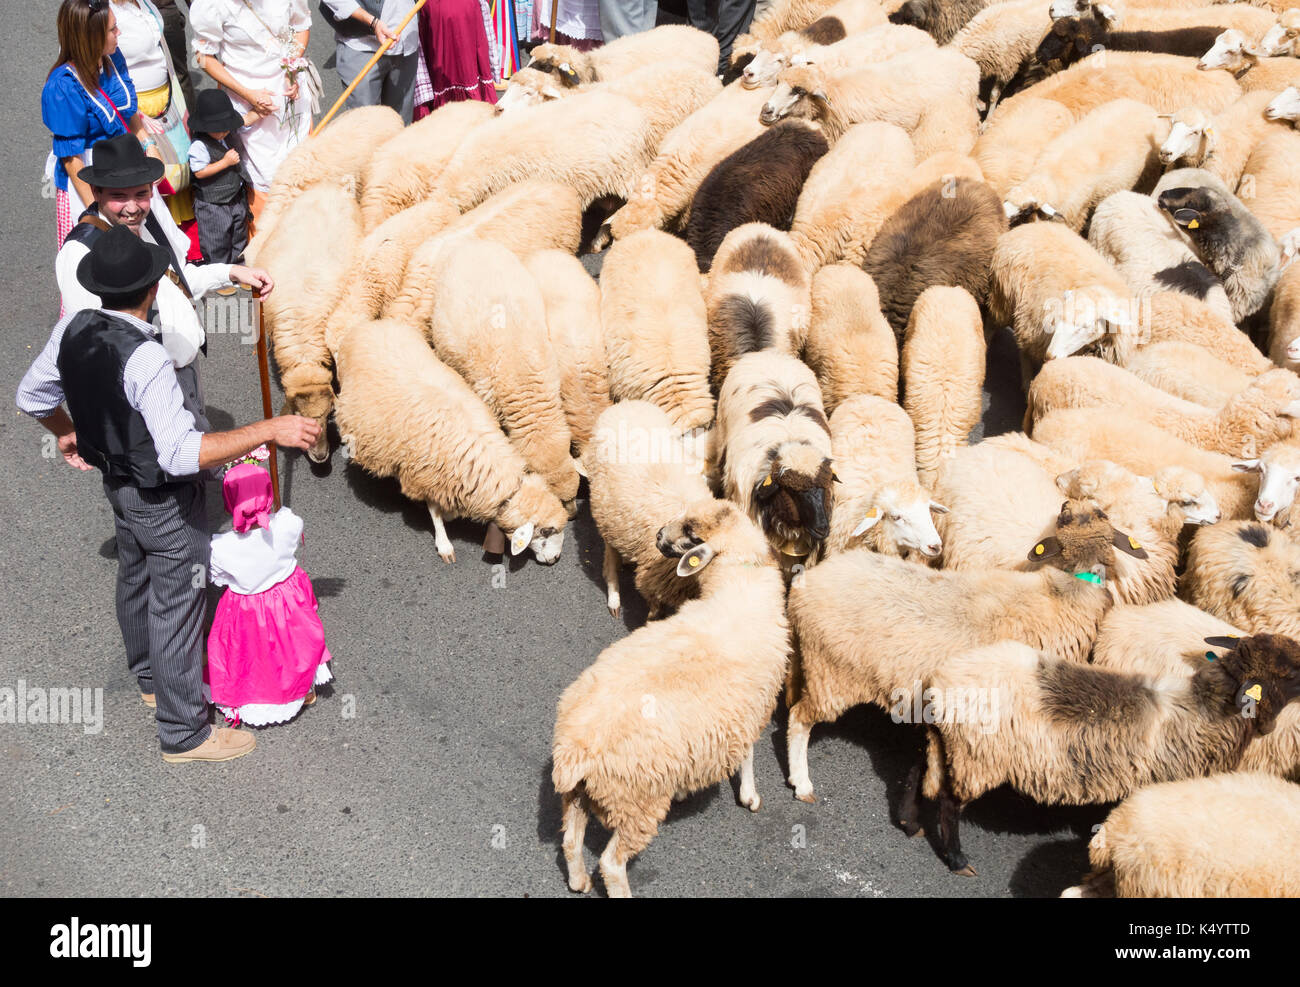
pixel 88 97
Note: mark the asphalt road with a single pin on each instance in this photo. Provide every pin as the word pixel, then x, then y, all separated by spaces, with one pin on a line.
pixel 439 781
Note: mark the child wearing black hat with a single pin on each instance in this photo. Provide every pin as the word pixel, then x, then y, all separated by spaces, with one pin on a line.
pixel 220 198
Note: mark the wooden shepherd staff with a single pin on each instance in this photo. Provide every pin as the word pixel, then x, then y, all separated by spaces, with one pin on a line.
pixel 264 371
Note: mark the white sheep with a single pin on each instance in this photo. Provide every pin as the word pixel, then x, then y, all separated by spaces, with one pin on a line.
pixel 850 347
pixel 1001 39
pixel 678 705
pixel 1284 319
pixel 573 326
pixel 642 474
pixel 656 327
pixel 795 48
pixel 488 323
pixel 943 374
pixel 405 168
pixel 1188 371
pixel 1226 836
pixel 1111 149
pixel 879 505
pixel 930 94
pixel 1011 142
pixel 627 54
pixel 1281 37
pixel 1242 60
pixel 852 186
pixel 758 297
pixel 771 452
pixel 1285 105
pixel 1220 143
pixel 403 413
pixel 1270 184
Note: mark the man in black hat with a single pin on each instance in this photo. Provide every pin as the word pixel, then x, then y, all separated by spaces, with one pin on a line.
pixel 128 417
pixel 122 177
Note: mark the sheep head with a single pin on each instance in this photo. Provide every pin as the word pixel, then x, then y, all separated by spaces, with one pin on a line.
pixel 1085 541
pixel 1070 39
pixel 1230 51
pixel 1279 478
pixel 1192 209
pixel 309 391
pixel 534 518
pixel 1191 136
pixel 1266 671
pixel 769 61
pixel 712 529
pixel 1082 317
pixel 1280 39
pixel 1285 105
pixel 902 510
pixel 800 94
pixel 794 498
pixel 914 13
pixel 529 87
pixel 569 66
pixel 1082 8
pixel 1186 491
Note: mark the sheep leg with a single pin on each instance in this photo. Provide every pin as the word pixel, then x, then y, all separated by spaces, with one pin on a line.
pixel 575 827
pixel 446 551
pixel 797 733
pixel 749 796
pixel 613 868
pixel 909 809
pixel 610 571
pixel 950 834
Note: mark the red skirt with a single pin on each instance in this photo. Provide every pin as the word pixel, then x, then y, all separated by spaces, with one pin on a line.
pixel 454 46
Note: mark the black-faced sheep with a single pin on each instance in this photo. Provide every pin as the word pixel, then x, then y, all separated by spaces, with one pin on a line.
pixel 679 704
pixel 771 451
pixel 867 627
pixel 941 20
pixel 757 297
pixel 943 236
pixel 760 183
pixel 1136 730
pixel 1073 38
pixel 1155 845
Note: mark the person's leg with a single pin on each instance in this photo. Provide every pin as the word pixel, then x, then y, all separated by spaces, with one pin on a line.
pixel 177 46
pixel 132 596
pixel 238 228
pixel 620 17
pixel 734 17
pixel 649 14
pixel 698 12
pixel 399 83
pixel 171 528
pixel 350 62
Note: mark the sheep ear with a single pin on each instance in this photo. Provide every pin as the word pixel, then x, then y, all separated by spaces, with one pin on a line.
pixel 1128 545
pixel 582 470
pixel 550 92
pixel 938 508
pixel 1048 548
pixel 567 75
pixel 522 536
pixel 869 521
pixel 1248 466
pixel 765 488
pixel 1292 409
pixel 1223 641
pixel 1107 13
pixel 696 559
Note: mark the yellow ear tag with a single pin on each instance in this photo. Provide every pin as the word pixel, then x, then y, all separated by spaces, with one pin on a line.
pixel 1193 224
pixel 767 482
pixel 1039 549
pixel 693 561
pixel 1133 542
pixel 873 512
pixel 1255 692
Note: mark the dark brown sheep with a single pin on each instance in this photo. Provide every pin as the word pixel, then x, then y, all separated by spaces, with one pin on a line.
pixel 759 183
pixel 941 19
pixel 1073 38
pixel 944 235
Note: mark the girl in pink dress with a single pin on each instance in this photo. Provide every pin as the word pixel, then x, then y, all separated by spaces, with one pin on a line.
pixel 266 651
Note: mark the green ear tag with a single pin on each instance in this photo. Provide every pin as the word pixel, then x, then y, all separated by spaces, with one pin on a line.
pixel 1089 577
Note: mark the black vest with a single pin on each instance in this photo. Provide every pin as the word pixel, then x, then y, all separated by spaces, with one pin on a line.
pixel 111 435
pixel 223 187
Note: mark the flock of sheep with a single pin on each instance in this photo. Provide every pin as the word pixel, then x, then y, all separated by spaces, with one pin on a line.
pixel 771 388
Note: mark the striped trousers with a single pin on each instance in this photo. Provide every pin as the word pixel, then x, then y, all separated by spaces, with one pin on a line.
pixel 162 572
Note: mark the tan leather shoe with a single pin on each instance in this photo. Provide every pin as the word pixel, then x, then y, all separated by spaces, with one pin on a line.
pixel 223 744
pixel 310 698
pixel 148 699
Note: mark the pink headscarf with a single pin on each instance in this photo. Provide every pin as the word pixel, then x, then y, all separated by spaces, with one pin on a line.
pixel 247 492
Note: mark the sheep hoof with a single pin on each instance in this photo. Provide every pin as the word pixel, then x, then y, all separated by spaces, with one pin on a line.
pixel 580 883
pixel 807 796
pixel 448 557
pixel 910 829
pixel 965 871
pixel 615 611
pixel 753 804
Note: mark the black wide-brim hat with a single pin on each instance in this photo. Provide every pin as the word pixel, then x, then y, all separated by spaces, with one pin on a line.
pixel 120 162
pixel 214 113
pixel 121 263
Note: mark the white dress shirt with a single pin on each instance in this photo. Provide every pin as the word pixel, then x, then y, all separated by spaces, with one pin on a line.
pixel 182 334
pixel 393 13
pixel 149 381
pixel 254 561
pixel 141 43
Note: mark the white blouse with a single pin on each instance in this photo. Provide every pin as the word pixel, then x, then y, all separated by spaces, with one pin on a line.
pixel 141 43
pixel 256 560
pixel 231 31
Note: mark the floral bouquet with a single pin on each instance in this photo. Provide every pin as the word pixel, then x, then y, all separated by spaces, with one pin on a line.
pixel 294 63
pixel 255 458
